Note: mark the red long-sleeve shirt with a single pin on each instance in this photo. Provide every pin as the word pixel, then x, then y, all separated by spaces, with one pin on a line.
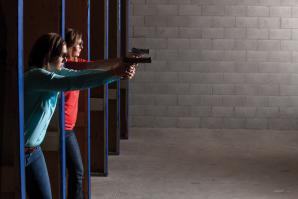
pixel 71 106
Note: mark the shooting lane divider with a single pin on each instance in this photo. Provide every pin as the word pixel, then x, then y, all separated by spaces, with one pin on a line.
pixel 106 88
pixel 88 108
pixel 128 46
pixel 118 82
pixel 21 97
pixel 61 119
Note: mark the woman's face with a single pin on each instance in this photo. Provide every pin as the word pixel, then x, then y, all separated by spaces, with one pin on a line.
pixel 76 50
pixel 58 62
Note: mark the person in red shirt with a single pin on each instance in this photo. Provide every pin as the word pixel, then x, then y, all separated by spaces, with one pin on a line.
pixel 74 162
pixel 74 44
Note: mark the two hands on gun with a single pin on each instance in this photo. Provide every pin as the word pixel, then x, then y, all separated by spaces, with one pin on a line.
pixel 124 67
pixel 135 57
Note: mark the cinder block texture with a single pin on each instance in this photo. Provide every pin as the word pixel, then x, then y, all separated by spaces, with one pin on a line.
pixel 216 64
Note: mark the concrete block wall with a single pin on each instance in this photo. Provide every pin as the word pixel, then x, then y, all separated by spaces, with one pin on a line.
pixel 216 64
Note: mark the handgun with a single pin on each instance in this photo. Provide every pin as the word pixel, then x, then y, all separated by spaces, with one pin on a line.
pixel 140 51
pixel 137 56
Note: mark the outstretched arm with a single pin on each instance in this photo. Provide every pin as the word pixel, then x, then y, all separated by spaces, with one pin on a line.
pixel 103 65
pixel 64 80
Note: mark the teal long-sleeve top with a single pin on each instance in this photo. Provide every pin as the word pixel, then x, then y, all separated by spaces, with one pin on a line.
pixel 41 90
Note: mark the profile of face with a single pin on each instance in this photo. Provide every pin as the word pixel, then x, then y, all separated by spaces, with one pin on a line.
pixel 58 61
pixel 77 48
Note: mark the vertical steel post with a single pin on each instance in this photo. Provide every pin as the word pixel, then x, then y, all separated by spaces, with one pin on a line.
pixel 21 97
pixel 61 120
pixel 88 106
pixel 128 8
pixel 106 86
pixel 119 24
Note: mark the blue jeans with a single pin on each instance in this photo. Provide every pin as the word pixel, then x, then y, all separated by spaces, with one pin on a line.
pixel 74 166
pixel 37 177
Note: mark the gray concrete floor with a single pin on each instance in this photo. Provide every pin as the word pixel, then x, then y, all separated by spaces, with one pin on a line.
pixel 202 164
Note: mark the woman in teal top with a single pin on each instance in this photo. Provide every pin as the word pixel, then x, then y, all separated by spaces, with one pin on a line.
pixel 43 82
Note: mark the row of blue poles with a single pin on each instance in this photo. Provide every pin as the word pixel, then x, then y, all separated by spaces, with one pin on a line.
pixel 61 105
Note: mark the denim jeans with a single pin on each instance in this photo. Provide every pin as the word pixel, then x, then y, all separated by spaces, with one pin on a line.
pixel 74 166
pixel 37 177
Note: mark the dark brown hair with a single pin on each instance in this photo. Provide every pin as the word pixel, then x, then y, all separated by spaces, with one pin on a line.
pixel 71 37
pixel 45 49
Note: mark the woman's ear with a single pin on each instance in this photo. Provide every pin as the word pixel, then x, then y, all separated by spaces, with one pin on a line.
pixel 46 62
pixel 69 51
pixel 47 66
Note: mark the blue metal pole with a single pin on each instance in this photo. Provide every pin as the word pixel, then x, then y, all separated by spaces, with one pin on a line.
pixel 106 127
pixel 88 106
pixel 62 20
pixel 107 19
pixel 62 149
pixel 129 47
pixel 119 23
pixel 118 113
pixel 106 56
pixel 61 121
pixel 21 97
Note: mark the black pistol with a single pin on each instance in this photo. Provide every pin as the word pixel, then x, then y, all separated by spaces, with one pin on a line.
pixel 140 58
pixel 140 51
